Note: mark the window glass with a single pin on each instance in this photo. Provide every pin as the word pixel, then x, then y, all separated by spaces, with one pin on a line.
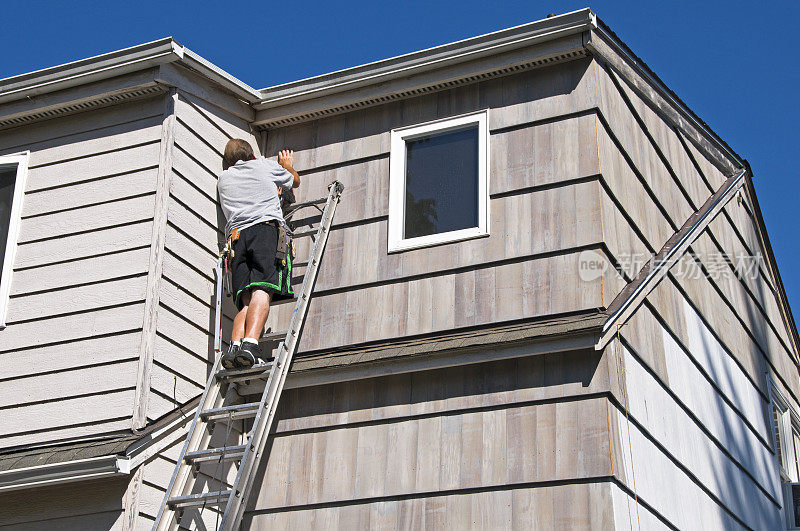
pixel 7 179
pixel 441 192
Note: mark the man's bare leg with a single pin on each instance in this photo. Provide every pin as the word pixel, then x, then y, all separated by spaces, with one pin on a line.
pixel 239 321
pixel 257 313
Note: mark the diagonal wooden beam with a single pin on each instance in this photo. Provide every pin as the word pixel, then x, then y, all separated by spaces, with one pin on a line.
pixel 634 294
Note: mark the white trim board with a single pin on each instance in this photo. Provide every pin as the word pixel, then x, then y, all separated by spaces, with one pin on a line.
pixel 20 161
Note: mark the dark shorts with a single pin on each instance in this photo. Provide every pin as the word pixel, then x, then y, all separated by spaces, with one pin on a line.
pixel 254 265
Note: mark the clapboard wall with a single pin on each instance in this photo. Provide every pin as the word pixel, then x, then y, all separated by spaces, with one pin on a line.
pixel 97 504
pixel 70 351
pixel 545 196
pixel 694 357
pixel 487 446
pixel 692 405
pixel 204 120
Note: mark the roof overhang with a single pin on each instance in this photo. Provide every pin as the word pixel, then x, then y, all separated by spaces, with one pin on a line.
pixel 119 457
pixel 118 63
pixel 541 43
pixel 466 61
pixel 138 72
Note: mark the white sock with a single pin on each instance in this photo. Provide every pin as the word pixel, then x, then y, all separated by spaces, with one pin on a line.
pixel 250 340
pixel 237 343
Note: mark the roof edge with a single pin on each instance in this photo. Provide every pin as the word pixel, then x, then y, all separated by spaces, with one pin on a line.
pixel 116 63
pixel 605 44
pixel 64 472
pixel 428 59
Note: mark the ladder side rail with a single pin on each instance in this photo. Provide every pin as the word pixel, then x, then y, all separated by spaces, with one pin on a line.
pixel 167 517
pixel 234 510
pixel 218 308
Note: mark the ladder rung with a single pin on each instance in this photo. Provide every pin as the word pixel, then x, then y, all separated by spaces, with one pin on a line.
pixel 239 411
pixel 216 454
pixel 256 371
pixel 300 263
pixel 274 336
pixel 305 232
pixel 310 202
pixel 204 498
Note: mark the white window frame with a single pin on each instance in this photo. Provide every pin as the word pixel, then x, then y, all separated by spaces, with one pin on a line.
pixel 20 161
pixel 397 181
pixel 788 425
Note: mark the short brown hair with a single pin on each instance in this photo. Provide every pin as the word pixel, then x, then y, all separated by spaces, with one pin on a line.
pixel 235 150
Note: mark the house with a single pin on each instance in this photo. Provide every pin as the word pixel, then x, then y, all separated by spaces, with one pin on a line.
pixel 515 358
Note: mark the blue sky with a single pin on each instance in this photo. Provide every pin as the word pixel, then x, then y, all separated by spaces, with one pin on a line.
pixel 732 62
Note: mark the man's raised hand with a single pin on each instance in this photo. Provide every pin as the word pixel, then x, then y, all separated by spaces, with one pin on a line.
pixel 286 159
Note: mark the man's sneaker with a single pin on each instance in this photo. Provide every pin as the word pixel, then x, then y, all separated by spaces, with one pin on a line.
pixel 248 354
pixel 229 358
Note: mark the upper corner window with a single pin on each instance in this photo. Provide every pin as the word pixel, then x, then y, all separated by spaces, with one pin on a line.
pixel 13 171
pixel 438 189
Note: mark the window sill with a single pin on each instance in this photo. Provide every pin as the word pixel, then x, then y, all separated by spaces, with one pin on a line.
pixel 443 238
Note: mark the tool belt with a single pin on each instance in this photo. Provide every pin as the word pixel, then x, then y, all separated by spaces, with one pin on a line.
pixel 284 246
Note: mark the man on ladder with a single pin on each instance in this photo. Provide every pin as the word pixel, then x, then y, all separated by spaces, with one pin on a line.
pixel 256 251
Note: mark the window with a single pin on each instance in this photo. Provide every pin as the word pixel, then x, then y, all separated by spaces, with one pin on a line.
pixel 786 426
pixel 438 182
pixel 784 440
pixel 13 171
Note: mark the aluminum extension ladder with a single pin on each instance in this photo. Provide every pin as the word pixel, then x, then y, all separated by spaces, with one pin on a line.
pixel 217 403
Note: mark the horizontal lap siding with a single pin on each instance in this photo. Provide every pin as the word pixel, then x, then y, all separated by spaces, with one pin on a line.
pixel 533 155
pixel 670 489
pixel 80 272
pixel 537 95
pixel 536 287
pixel 86 505
pixel 544 202
pixel 193 234
pixel 521 226
pixel 705 341
pixel 543 507
pixel 490 428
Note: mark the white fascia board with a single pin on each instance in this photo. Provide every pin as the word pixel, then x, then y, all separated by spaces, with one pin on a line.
pixel 68 471
pixel 428 59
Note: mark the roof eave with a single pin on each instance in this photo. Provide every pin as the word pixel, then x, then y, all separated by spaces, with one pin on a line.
pixel 65 472
pixel 426 60
pixel 118 63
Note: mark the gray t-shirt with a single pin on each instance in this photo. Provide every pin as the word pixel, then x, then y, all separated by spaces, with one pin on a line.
pixel 248 192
